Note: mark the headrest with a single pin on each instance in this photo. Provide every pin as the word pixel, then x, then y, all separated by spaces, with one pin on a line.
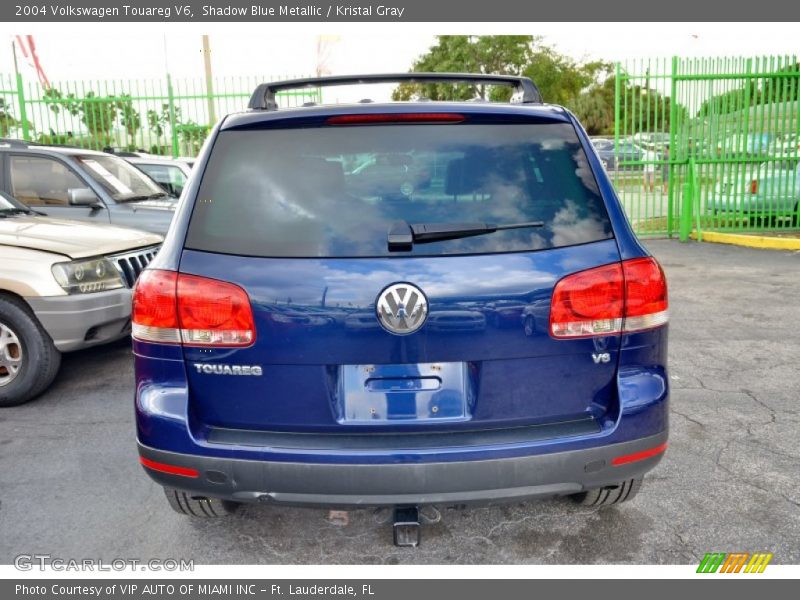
pixel 482 171
pixel 321 175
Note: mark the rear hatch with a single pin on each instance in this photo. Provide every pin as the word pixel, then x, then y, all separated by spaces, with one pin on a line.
pixel 299 218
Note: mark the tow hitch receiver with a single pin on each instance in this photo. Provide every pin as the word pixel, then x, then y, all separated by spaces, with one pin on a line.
pixel 406 526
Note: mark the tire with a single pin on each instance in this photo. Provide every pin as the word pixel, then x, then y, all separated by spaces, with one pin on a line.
pixel 610 495
pixel 203 507
pixel 28 359
pixel 529 326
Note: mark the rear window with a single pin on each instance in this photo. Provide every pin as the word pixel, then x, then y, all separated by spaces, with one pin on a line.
pixel 335 191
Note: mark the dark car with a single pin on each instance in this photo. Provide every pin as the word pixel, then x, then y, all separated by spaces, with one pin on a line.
pixel 408 395
pixel 85 185
pixel 612 156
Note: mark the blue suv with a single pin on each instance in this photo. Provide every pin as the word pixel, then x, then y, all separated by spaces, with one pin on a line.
pixel 400 304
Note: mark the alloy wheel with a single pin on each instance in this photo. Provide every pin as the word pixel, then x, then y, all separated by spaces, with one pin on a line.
pixel 10 355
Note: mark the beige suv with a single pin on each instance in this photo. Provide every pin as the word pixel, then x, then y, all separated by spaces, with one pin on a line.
pixel 64 285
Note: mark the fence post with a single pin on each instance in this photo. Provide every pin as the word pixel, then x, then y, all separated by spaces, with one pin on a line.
pixel 673 117
pixel 617 93
pixel 212 117
pixel 687 204
pixel 696 203
pixel 617 116
pixel 172 120
pixel 23 111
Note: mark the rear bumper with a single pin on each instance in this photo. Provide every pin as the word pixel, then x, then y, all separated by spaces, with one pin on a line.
pixel 474 481
pixel 83 320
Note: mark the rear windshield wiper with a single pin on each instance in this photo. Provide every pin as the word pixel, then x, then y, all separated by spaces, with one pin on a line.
pixel 403 236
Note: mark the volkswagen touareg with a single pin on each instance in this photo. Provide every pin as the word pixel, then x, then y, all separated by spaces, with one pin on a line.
pixel 400 304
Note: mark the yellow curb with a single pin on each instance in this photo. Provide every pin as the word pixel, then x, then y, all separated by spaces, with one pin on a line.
pixel 751 241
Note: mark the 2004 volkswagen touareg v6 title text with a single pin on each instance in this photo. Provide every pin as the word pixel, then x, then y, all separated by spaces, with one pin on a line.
pixel 331 320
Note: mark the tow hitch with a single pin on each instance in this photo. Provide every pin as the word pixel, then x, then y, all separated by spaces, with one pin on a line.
pixel 406 526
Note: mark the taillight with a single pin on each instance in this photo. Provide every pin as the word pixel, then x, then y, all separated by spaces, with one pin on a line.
pixel 175 308
pixel 377 119
pixel 623 297
pixel 155 311
pixel 754 187
pixel 588 303
pixel 214 313
pixel 646 301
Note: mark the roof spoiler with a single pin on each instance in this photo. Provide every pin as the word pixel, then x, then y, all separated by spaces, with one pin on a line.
pixel 525 91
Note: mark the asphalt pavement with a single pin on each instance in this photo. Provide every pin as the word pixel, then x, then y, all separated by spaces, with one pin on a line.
pixel 71 485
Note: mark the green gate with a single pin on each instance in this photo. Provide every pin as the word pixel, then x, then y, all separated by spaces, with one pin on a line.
pixel 707 144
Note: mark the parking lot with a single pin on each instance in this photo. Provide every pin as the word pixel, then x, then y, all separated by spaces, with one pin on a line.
pixel 71 485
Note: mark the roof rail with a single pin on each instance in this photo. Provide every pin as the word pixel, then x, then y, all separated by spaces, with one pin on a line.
pixel 15 142
pixel 525 91
pixel 122 152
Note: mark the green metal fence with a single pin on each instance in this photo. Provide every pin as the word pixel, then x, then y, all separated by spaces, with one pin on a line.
pixel 697 145
pixel 708 144
pixel 165 116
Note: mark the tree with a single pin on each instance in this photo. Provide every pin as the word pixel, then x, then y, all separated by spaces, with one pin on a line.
pixel 8 122
pixel 130 118
pixel 731 101
pixel 558 77
pixel 784 87
pixel 158 121
pixel 595 109
pixel 501 55
pixel 97 113
pixel 190 133
pixel 193 135
pixel 642 108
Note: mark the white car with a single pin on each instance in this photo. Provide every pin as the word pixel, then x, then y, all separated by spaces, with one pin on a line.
pixel 786 145
pixel 771 189
pixel 171 174
pixel 64 285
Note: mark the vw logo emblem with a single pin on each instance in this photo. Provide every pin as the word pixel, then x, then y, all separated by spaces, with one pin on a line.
pixel 402 308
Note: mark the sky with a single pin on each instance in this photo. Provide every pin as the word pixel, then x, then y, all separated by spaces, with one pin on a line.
pixel 113 50
pixel 109 50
